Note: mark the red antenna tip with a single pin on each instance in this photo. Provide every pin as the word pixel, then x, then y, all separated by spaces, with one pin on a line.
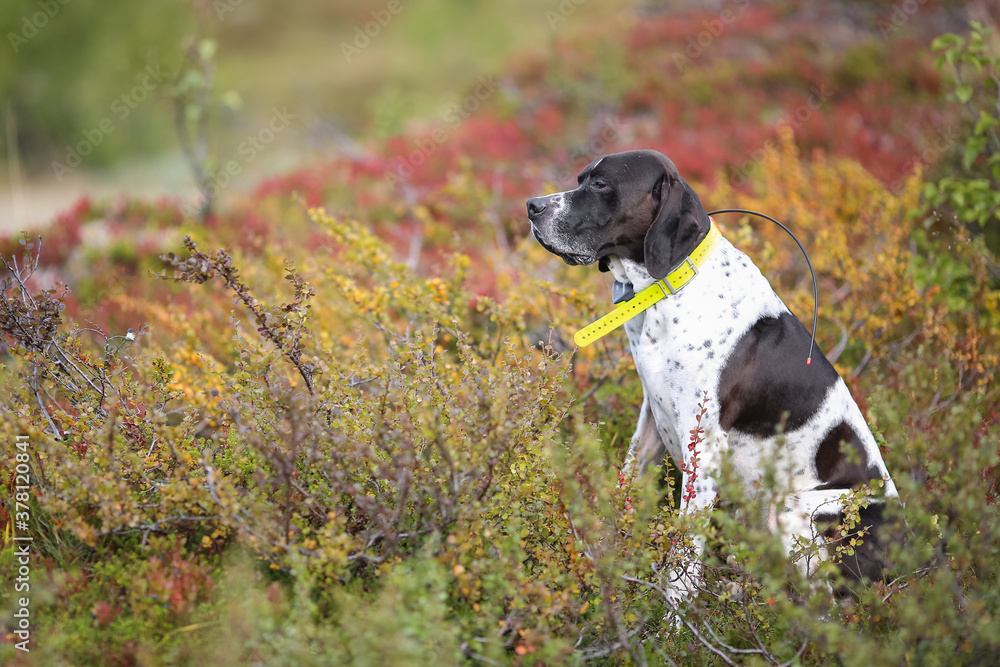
pixel 809 361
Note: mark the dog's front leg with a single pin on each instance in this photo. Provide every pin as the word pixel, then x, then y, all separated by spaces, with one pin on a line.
pixel 645 449
pixel 698 495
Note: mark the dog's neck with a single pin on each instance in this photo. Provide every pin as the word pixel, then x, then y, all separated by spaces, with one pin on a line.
pixel 632 273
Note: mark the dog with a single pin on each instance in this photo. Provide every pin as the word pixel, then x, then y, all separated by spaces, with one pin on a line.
pixel 724 336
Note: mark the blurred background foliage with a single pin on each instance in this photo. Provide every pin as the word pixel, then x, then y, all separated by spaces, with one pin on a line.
pixel 62 80
pixel 64 77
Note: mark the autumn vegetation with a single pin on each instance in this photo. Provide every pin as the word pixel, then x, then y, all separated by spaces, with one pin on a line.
pixel 350 425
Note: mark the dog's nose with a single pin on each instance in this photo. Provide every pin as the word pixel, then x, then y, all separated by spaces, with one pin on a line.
pixel 535 206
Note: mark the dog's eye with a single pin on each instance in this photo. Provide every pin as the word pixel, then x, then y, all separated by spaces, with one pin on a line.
pixel 600 185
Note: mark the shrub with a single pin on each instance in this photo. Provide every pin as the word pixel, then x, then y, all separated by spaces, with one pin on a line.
pixel 974 197
pixel 401 459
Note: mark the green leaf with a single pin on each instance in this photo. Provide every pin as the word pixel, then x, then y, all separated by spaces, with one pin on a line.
pixel 947 41
pixel 963 93
pixel 232 100
pixel 192 112
pixel 985 122
pixel 206 50
pixel 192 80
pixel 972 150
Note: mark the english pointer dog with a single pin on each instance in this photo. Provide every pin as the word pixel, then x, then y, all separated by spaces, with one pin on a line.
pixel 716 330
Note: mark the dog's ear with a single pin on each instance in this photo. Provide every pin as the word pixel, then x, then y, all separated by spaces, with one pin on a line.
pixel 678 226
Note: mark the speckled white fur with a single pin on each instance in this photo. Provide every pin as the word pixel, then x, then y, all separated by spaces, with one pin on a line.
pixel 680 347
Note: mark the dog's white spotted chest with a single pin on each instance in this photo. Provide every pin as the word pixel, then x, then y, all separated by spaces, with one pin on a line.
pixel 681 344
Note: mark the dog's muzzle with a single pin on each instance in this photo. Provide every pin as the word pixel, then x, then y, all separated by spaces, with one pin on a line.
pixel 540 215
pixel 537 206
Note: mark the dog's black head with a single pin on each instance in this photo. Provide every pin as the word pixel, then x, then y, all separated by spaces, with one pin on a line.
pixel 633 205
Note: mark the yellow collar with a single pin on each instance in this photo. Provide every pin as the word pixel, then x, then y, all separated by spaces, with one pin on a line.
pixel 674 281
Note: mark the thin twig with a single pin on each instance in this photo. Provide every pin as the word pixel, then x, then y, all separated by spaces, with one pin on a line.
pixel 676 613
